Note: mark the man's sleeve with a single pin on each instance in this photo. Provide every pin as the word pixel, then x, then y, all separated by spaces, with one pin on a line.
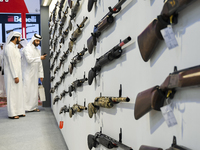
pixel 41 72
pixel 29 58
pixel 12 62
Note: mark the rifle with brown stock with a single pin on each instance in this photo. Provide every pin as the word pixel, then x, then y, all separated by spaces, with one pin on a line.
pixel 151 36
pixel 105 102
pixel 104 23
pixel 76 33
pixel 76 59
pixel 155 97
pixel 73 13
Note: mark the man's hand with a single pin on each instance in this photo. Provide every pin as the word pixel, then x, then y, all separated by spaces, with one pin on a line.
pixel 43 57
pixel 16 80
pixel 41 79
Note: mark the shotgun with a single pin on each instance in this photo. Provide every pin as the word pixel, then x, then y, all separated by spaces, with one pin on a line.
pixel 155 97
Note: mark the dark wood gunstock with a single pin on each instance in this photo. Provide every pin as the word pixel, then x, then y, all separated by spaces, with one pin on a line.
pixel 154 97
pixel 151 36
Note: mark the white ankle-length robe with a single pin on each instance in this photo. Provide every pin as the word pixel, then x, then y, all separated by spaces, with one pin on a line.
pixel 2 85
pixel 12 70
pixel 32 71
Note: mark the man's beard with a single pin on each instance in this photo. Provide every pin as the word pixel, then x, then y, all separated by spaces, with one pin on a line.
pixel 17 42
pixel 35 44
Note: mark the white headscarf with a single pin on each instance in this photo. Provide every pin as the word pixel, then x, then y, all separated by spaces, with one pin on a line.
pixel 35 37
pixel 23 42
pixel 1 44
pixel 13 33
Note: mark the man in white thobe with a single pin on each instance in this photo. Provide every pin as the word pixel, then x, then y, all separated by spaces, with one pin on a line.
pixel 13 77
pixel 22 44
pixel 32 71
pixel 2 85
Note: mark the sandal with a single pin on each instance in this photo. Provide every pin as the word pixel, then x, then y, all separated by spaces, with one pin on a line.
pixel 36 110
pixel 15 117
pixel 22 115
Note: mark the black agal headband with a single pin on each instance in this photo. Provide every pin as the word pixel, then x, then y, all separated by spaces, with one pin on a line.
pixel 38 36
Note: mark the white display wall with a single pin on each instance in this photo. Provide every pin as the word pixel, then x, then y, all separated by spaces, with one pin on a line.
pixel 134 74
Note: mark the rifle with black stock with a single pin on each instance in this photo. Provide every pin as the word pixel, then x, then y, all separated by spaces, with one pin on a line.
pixel 54 12
pixel 76 33
pixel 55 28
pixel 60 8
pixel 56 69
pixel 62 22
pixel 106 141
pixel 60 30
pixel 55 99
pixel 52 90
pixel 105 22
pixel 31 32
pixel 8 31
pixel 145 147
pixel 64 109
pixel 151 36
pixel 55 43
pixel 90 4
pixel 73 13
pixel 75 84
pixel 76 59
pixel 106 102
pixel 63 75
pixel 112 54
pixel 56 56
pixel 62 59
pixel 63 94
pixel 155 97
pixel 174 146
pixel 51 55
pixel 76 108
pixel 52 78
pixel 52 66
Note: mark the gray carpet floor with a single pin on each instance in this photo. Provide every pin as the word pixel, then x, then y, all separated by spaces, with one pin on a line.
pixel 36 131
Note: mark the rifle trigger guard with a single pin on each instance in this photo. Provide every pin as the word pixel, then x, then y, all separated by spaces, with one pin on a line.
pixel 114 12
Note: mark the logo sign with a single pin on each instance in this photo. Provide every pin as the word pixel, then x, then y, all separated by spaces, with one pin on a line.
pixel 18 19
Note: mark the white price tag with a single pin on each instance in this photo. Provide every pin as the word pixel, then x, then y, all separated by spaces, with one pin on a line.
pixel 169 37
pixel 168 115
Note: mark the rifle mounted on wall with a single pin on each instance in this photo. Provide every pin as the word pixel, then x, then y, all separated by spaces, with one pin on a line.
pixel 114 53
pixel 155 97
pixel 104 23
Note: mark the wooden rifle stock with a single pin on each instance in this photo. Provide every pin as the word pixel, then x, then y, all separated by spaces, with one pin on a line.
pixel 154 97
pixel 150 37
